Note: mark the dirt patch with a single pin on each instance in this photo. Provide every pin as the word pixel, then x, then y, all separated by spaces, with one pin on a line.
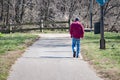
pixel 111 74
pixel 106 74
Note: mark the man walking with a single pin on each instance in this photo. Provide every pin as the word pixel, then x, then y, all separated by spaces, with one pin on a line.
pixel 76 32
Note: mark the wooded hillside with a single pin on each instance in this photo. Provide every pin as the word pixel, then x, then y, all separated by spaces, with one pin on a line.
pixel 22 11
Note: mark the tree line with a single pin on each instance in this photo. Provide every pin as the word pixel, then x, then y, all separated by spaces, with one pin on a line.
pixel 23 11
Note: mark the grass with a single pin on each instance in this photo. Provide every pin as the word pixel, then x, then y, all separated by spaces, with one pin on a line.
pixel 11 47
pixel 106 62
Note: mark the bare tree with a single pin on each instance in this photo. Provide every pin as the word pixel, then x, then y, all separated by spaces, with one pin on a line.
pixel 112 14
pixel 22 11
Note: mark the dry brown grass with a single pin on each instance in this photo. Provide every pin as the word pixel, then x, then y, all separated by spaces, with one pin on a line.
pixel 6 62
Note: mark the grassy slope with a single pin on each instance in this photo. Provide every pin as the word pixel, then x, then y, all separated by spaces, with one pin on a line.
pixel 11 47
pixel 106 62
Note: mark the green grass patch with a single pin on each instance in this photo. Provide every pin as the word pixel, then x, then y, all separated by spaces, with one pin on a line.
pixel 11 47
pixel 106 62
pixel 10 42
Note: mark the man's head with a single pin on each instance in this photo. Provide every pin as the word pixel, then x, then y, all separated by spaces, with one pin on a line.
pixel 77 19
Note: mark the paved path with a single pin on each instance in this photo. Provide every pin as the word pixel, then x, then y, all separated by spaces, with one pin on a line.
pixel 50 58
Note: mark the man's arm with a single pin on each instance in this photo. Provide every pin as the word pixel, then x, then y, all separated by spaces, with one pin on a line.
pixel 82 31
pixel 71 30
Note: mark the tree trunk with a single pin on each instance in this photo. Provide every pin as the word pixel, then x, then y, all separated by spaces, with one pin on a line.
pixel 7 18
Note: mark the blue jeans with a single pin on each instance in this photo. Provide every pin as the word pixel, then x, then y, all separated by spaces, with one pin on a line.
pixel 76 46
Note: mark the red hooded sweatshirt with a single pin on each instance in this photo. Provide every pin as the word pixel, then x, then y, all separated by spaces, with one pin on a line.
pixel 77 30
